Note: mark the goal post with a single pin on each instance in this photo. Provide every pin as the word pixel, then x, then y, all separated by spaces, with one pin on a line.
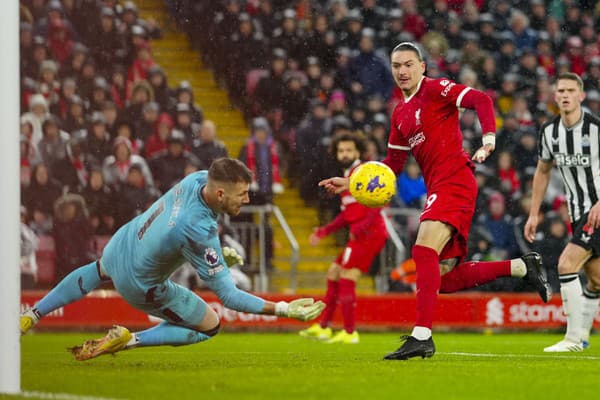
pixel 10 282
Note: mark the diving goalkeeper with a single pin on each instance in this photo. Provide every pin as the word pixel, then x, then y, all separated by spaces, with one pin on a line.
pixel 139 258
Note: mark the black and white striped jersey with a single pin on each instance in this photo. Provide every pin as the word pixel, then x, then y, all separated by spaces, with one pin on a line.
pixel 576 153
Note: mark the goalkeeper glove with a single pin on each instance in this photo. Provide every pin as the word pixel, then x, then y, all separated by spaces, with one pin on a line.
pixel 302 309
pixel 232 257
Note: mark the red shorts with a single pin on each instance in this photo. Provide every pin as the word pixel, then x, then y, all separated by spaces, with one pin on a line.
pixel 453 202
pixel 360 253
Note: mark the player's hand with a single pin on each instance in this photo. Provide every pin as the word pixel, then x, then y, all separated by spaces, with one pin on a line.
pixel 232 257
pixel 483 152
pixel 314 237
pixel 301 309
pixel 530 228
pixel 594 216
pixel 335 185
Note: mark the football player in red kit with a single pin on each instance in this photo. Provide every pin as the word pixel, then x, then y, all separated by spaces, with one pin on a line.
pixel 368 235
pixel 426 123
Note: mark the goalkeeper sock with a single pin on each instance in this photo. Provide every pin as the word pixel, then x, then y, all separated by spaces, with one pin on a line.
pixel 572 298
pixel 427 261
pixel 73 287
pixel 168 334
pixel 331 298
pixel 470 274
pixel 348 303
pixel 591 300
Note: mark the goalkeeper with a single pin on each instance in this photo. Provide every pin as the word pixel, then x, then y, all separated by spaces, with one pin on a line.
pixel 180 226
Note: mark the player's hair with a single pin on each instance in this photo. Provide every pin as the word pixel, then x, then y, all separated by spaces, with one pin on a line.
pixel 347 137
pixel 409 46
pixel 572 77
pixel 229 170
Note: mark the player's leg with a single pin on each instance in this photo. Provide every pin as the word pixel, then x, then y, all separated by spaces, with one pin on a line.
pixel 347 299
pixel 322 329
pixel 591 299
pixel 475 273
pixel 432 237
pixel 73 287
pixel 570 263
pixel 188 320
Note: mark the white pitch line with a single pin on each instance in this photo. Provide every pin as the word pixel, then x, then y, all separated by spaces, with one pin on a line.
pixel 61 396
pixel 491 355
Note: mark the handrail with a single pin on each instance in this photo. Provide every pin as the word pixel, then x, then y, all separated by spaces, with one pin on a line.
pixel 295 258
pixel 262 283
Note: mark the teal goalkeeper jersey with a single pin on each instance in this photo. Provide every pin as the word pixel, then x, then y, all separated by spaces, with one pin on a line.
pixel 177 227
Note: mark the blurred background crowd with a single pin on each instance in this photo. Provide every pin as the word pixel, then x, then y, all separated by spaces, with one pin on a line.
pixel 104 132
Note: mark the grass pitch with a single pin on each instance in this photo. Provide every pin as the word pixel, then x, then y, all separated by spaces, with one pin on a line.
pixel 284 366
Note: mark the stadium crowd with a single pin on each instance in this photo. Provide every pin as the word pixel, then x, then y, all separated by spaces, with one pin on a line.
pixel 100 121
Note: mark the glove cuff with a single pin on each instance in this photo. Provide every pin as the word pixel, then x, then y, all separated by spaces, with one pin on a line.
pixel 281 309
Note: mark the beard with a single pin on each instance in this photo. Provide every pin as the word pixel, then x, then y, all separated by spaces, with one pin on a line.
pixel 346 163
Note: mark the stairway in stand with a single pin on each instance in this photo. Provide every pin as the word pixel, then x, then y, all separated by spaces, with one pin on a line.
pixel 175 55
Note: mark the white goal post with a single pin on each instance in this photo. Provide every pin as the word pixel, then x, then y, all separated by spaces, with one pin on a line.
pixel 10 280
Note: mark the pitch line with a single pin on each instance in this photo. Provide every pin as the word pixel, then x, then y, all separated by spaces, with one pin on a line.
pixel 61 396
pixel 492 355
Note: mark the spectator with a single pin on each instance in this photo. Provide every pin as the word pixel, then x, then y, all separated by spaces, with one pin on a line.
pixel 168 166
pixel 206 147
pixel 48 84
pixel 269 93
pixel 125 129
pixel 411 186
pixel 185 123
pixel 100 202
pixel 141 65
pixel 107 43
pixel 141 93
pixel 98 139
pixel 158 140
pixel 143 128
pixel 524 36
pixel 369 74
pixel 100 94
pixel 75 119
pixel 158 80
pixel 507 174
pixel 73 66
pixel 73 170
pixel 59 41
pixel 525 152
pixel 134 194
pixel 39 197
pixel 184 94
pixel 52 145
pixel 116 166
pixel 500 225
pixel 555 238
pixel 72 234
pixel 38 112
pixel 312 130
pixel 118 89
pixel 295 100
pixel 29 243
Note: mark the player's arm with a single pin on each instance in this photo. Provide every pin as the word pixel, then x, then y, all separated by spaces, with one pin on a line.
pixel 338 222
pixel 484 107
pixel 208 260
pixel 541 179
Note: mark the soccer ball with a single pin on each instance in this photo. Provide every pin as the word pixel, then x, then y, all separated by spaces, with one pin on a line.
pixel 373 184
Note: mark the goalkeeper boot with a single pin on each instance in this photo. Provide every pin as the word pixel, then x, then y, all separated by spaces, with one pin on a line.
pixel 29 319
pixel 564 346
pixel 413 347
pixel 316 332
pixel 115 340
pixel 345 338
pixel 536 275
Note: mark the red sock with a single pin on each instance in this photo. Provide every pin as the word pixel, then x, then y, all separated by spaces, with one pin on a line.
pixel 348 303
pixel 428 283
pixel 470 274
pixel 331 297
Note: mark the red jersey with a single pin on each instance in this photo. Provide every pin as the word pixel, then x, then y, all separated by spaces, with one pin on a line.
pixel 427 124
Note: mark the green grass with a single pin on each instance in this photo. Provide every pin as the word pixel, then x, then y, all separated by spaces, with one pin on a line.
pixel 285 366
